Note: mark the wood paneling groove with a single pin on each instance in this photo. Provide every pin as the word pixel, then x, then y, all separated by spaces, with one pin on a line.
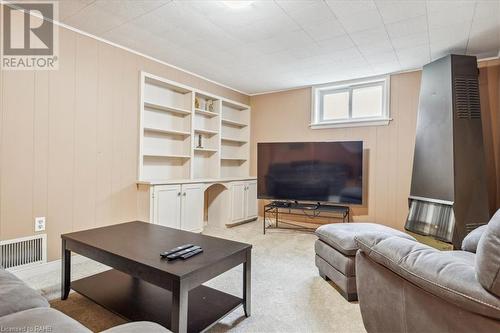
pixel 17 152
pixel 85 133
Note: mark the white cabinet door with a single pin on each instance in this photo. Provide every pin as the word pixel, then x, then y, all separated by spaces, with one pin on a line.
pixel 167 205
pixel 192 207
pixel 238 209
pixel 251 199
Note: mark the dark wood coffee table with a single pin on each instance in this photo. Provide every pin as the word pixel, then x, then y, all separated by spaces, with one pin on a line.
pixel 142 286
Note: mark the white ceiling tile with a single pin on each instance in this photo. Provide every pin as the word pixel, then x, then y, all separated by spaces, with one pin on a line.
pixel 397 10
pixel 296 5
pixel 410 41
pixel 485 46
pixel 484 37
pixel 414 55
pixel 94 20
pixel 375 48
pixel 304 52
pixel 71 7
pixel 335 44
pixel 129 8
pixel 440 16
pixel 487 8
pixel 382 57
pixel 311 14
pixel 457 33
pixel 407 27
pixel 349 8
pixel 282 42
pixel 449 6
pixel 439 50
pixel 325 30
pixel 348 55
pixel 364 20
pixel 368 37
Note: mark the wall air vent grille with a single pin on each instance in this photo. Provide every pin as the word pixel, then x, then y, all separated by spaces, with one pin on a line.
pixel 467 104
pixel 23 252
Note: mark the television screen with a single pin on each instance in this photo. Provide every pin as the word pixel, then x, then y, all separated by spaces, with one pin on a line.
pixel 311 171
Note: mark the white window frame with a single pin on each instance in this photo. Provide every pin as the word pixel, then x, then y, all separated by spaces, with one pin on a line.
pixel 317 93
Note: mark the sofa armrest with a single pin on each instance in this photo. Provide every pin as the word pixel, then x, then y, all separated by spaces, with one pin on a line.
pixel 449 275
pixel 471 241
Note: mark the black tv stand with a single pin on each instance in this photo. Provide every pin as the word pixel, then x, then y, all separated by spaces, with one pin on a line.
pixel 309 210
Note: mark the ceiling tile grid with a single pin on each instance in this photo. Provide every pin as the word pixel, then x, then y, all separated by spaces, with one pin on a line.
pixel 267 45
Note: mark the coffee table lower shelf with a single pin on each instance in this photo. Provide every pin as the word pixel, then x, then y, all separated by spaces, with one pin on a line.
pixel 138 300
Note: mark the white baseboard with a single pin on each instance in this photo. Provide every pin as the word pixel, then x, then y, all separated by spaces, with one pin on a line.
pixel 44 268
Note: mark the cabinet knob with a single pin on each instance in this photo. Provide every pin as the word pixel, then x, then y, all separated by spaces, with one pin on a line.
pixel 184 194
pixel 179 194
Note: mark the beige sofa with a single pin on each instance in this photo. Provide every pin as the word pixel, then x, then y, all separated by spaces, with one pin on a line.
pixel 22 309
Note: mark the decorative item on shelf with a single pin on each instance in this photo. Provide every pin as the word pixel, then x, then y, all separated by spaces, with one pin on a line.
pixel 200 145
pixel 196 102
pixel 209 106
pixel 202 104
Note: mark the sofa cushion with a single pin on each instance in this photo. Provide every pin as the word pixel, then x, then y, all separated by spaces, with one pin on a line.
pixel 488 256
pixel 16 296
pixel 340 236
pixel 471 241
pixel 41 320
pixel 449 275
pixel 138 326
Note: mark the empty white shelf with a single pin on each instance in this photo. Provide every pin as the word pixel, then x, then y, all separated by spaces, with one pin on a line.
pixel 233 159
pixel 205 131
pixel 233 123
pixel 166 155
pixel 206 113
pixel 166 108
pixel 167 131
pixel 234 140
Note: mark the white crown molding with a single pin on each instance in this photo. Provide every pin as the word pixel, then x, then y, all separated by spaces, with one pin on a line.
pixel 100 39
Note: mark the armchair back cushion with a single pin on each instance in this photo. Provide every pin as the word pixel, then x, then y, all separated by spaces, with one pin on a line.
pixel 488 256
pixel 471 241
pixel 16 296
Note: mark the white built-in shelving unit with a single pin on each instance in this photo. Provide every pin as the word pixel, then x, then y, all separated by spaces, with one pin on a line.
pixel 174 117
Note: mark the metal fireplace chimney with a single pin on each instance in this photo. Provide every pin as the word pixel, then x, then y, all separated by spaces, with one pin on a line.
pixel 448 196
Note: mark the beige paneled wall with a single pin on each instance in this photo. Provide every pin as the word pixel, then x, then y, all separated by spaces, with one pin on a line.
pixel 69 139
pixel 489 85
pixel 285 116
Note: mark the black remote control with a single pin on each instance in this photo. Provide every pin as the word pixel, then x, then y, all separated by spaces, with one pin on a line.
pixel 175 250
pixel 180 253
pixel 192 253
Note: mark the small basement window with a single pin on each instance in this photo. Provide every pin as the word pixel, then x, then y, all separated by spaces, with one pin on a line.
pixel 353 103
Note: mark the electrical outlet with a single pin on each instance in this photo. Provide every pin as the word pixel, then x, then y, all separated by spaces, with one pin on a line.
pixel 39 223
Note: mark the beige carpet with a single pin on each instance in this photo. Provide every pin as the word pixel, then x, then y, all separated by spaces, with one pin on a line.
pixel 287 293
pixel 88 313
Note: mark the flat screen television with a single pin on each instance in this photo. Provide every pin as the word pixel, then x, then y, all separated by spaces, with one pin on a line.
pixel 311 171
